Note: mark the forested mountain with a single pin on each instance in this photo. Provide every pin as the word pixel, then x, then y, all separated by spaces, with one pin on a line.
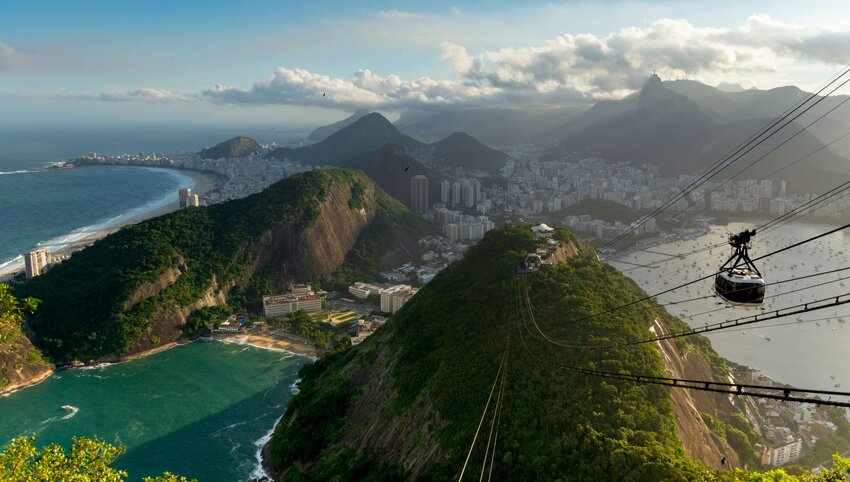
pixel 366 134
pixel 392 170
pixel 134 289
pixel 462 150
pixel 236 147
pixel 323 132
pixel 371 132
pixel 405 404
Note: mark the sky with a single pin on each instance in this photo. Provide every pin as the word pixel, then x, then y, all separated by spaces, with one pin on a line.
pixel 285 63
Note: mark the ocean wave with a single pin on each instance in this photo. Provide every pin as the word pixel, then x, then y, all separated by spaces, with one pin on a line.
pixel 22 171
pixel 95 367
pixel 72 410
pixel 60 242
pixel 259 472
pixel 294 387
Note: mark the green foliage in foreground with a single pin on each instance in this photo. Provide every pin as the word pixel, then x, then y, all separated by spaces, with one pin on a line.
pixel 555 424
pixel 88 460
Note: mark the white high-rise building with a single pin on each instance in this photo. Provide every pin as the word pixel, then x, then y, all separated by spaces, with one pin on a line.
pixel 445 191
pixel 467 194
pixel 36 262
pixel 456 193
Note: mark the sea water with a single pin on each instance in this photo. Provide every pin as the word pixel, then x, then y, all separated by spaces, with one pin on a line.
pixel 809 350
pixel 52 208
pixel 202 410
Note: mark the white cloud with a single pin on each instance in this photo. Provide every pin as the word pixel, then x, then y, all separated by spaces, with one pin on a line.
pixel 398 14
pixel 8 56
pixel 565 69
pixel 146 95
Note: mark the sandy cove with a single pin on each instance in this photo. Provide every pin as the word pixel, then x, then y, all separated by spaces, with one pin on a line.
pixel 269 342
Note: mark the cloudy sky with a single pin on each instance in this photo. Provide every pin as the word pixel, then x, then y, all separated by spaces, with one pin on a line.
pixel 274 62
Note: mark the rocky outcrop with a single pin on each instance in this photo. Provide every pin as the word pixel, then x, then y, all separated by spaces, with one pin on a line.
pixel 21 364
pixel 699 441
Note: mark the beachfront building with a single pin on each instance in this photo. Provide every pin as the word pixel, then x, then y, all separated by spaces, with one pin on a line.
pixel 36 262
pixel 300 297
pixel 186 199
pixel 394 297
pixel 39 261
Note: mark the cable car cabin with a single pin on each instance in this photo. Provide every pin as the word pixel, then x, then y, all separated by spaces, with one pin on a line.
pixel 740 287
pixel 530 264
pixel 738 281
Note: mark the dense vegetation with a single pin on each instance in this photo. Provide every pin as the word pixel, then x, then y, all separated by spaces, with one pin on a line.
pixel 16 351
pixel 555 425
pixel 88 310
pixel 366 134
pixel 392 226
pixel 88 460
pixel 236 147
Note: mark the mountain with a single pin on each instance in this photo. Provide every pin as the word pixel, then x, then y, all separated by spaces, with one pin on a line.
pixel 730 107
pixel 662 128
pixel 322 133
pixel 392 170
pixel 462 150
pixel 236 147
pixel 366 134
pixel 494 126
pixel 135 289
pixel 405 404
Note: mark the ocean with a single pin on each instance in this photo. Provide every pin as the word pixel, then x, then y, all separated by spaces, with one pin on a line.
pixel 807 350
pixel 52 208
pixel 202 410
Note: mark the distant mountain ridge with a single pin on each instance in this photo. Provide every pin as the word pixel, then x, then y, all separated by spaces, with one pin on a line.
pixel 321 133
pixel 239 146
pixel 366 134
pixel 462 150
pixel 371 132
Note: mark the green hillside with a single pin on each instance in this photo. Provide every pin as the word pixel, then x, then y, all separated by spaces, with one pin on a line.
pixel 444 349
pixel 141 279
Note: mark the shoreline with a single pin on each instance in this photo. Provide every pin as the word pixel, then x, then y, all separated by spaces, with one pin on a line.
pixel 203 183
pixel 262 342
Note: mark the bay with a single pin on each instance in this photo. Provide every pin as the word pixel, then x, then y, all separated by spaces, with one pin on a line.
pixel 808 350
pixel 198 410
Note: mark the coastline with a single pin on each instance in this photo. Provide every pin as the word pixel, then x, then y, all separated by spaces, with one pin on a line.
pixel 263 342
pixel 268 342
pixel 203 183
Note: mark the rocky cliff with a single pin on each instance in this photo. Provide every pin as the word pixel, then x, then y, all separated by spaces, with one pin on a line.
pixel 20 362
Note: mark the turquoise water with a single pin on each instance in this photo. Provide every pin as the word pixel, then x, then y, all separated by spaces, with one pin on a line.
pixel 54 208
pixel 197 410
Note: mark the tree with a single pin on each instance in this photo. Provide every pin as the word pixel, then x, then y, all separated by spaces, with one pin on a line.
pixel 89 459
